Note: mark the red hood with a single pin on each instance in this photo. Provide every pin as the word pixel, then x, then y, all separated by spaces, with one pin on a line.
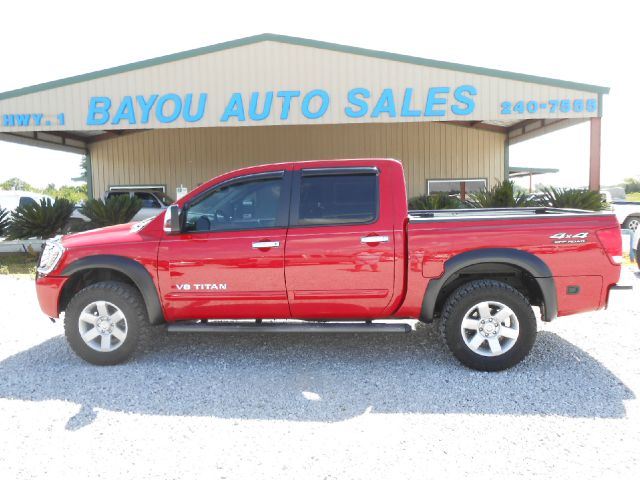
pixel 124 233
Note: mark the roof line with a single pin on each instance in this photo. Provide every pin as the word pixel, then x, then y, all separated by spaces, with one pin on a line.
pixel 306 43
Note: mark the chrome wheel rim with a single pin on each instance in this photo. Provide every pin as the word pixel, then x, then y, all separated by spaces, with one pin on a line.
pixel 490 328
pixel 103 326
pixel 633 224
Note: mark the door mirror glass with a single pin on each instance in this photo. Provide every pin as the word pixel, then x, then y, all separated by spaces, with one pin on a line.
pixel 172 219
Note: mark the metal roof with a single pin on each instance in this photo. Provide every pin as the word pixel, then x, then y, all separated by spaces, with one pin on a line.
pixel 525 171
pixel 307 43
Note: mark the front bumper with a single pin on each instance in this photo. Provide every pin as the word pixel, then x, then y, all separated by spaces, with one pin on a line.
pixel 48 290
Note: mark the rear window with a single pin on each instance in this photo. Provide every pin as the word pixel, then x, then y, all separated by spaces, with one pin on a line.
pixel 338 199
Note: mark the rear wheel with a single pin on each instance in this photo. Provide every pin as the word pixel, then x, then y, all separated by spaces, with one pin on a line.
pixel 488 325
pixel 105 321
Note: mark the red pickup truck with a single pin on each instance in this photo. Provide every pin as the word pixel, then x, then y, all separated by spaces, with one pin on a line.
pixel 331 244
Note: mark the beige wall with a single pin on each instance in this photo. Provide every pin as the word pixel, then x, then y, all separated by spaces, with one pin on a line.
pixel 272 66
pixel 191 156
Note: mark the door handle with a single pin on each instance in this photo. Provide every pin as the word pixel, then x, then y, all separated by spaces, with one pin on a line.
pixel 375 239
pixel 265 244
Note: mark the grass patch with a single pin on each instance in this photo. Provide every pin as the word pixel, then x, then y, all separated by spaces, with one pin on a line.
pixel 633 197
pixel 21 264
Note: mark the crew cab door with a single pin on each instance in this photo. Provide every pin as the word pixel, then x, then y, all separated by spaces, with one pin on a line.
pixel 340 245
pixel 228 260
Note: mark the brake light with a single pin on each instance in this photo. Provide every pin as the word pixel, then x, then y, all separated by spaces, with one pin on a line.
pixel 611 241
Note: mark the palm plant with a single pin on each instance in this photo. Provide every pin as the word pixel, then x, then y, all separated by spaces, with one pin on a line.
pixel 500 195
pixel 436 201
pixel 4 221
pixel 43 220
pixel 573 198
pixel 117 209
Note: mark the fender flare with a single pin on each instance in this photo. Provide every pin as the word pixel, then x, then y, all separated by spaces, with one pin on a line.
pixel 526 261
pixel 130 268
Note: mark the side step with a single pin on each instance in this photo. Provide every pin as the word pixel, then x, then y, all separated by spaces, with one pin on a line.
pixel 288 327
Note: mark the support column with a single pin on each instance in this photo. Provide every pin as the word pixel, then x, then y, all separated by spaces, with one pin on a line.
pixel 594 155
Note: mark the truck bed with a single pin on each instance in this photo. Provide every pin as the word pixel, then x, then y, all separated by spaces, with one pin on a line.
pixel 564 239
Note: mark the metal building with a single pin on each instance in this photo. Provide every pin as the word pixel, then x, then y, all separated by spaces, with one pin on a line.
pixel 184 118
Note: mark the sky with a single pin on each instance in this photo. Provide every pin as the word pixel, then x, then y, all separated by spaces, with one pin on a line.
pixel 577 41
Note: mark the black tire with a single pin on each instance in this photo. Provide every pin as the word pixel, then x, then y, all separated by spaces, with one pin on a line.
pixel 117 296
pixel 461 302
pixel 631 222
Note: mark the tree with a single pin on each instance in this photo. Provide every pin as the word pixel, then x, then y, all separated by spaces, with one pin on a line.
pixel 436 201
pixel 43 220
pixel 573 198
pixel 500 195
pixel 631 185
pixel 16 184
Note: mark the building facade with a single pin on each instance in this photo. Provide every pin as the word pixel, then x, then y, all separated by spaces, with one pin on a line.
pixel 181 119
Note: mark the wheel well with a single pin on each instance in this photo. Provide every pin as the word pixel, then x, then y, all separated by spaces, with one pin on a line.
pixel 512 275
pixel 84 278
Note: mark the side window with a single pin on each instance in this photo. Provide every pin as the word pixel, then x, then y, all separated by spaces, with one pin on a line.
pixel 338 199
pixel 148 200
pixel 239 206
pixel 25 201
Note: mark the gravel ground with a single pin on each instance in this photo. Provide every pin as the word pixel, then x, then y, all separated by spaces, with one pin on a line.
pixel 321 406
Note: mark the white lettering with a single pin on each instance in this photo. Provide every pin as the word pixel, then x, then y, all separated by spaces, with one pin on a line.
pixel 201 286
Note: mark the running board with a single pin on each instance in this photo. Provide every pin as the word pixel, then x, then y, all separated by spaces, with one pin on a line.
pixel 288 327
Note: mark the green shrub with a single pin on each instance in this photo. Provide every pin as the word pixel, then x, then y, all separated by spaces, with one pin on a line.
pixel 573 198
pixel 437 201
pixel 43 220
pixel 500 195
pixel 631 185
pixel 117 209
pixel 4 221
pixel 75 195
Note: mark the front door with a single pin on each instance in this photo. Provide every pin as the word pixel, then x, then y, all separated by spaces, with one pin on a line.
pixel 228 261
pixel 340 246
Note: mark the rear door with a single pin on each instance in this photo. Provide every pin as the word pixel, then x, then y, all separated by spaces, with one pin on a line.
pixel 339 260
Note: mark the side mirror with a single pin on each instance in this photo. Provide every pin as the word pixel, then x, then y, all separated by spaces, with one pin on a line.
pixel 172 219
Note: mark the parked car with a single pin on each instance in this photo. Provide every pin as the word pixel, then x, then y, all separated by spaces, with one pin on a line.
pixel 627 213
pixel 636 246
pixel 153 201
pixel 330 243
pixel 12 199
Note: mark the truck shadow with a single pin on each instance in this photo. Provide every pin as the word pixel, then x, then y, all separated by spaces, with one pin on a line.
pixel 315 378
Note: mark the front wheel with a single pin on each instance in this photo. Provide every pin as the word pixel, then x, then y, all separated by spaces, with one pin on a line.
pixel 105 321
pixel 488 325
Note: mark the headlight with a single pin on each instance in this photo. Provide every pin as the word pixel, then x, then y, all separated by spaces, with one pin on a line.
pixel 51 255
